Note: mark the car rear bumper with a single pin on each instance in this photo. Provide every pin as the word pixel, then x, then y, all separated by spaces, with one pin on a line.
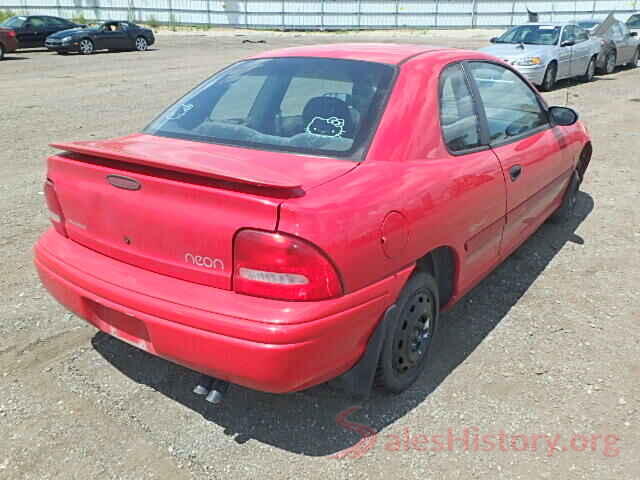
pixel 10 45
pixel 263 344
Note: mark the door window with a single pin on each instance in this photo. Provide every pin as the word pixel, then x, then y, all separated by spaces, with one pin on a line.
pixel 511 107
pixel 634 21
pixel 55 22
pixel 581 35
pixel 617 34
pixel 458 118
pixel 36 23
pixel 568 34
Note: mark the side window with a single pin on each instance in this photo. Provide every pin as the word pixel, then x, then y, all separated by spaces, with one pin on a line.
pixel 460 125
pixel 511 107
pixel 617 32
pixel 36 23
pixel 55 22
pixel 634 21
pixel 624 30
pixel 568 34
pixel 581 35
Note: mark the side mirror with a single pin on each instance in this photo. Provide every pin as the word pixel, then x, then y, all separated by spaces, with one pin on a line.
pixel 633 34
pixel 568 43
pixel 494 40
pixel 563 116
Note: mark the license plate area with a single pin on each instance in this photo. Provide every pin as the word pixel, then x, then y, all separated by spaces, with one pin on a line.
pixel 120 325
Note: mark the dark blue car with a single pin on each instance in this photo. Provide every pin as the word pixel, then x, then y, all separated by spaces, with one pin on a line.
pixel 112 35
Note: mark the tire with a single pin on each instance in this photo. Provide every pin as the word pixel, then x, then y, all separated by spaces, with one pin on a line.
pixel 634 60
pixel 565 211
pixel 86 46
pixel 406 348
pixel 1 52
pixel 590 72
pixel 141 44
pixel 549 80
pixel 610 62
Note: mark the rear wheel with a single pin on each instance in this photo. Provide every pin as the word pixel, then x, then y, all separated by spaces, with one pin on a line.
pixel 610 62
pixel 86 46
pixel 141 44
pixel 591 70
pixel 549 79
pixel 405 351
pixel 1 52
pixel 564 213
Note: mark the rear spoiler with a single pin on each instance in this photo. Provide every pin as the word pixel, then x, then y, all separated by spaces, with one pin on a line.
pixel 185 161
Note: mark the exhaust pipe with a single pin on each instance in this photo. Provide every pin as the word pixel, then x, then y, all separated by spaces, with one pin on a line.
pixel 217 392
pixel 204 385
pixel 213 388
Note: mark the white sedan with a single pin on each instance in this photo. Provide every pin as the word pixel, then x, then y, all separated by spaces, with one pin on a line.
pixel 547 52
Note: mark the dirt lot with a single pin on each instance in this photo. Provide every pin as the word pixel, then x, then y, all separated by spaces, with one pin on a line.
pixel 547 345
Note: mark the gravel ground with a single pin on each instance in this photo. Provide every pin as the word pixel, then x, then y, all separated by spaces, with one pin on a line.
pixel 547 345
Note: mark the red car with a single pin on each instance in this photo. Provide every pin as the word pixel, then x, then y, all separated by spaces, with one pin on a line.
pixel 306 214
pixel 8 41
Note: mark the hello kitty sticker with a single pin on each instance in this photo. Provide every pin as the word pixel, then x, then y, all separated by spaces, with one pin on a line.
pixel 326 127
pixel 180 111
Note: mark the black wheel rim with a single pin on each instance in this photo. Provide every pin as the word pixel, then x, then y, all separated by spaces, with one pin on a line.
pixel 414 333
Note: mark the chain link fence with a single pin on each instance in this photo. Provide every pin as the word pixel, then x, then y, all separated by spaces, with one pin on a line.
pixel 325 14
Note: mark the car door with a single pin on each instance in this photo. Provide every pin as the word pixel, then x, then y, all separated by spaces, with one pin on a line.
pixel 50 26
pixel 534 156
pixel 123 39
pixel 476 186
pixel 565 56
pixel 32 33
pixel 581 52
pixel 40 34
pixel 628 44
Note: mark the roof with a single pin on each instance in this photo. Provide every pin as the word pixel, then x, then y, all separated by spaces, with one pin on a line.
pixel 390 53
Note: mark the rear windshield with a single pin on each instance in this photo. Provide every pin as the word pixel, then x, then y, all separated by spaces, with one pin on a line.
pixel 316 106
pixel 634 21
pixel 14 22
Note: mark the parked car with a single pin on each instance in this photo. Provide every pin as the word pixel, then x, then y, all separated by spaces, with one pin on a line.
pixel 307 213
pixel 8 42
pixel 619 46
pixel 633 23
pixel 112 35
pixel 547 52
pixel 32 30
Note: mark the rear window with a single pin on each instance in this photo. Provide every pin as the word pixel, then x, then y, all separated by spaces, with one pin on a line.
pixel 303 105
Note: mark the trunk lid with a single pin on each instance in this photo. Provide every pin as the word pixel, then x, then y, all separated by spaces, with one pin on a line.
pixel 174 206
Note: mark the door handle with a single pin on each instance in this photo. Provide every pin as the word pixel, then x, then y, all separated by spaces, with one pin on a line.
pixel 514 172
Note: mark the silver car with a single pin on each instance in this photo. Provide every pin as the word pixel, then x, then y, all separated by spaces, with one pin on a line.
pixel 547 52
pixel 620 46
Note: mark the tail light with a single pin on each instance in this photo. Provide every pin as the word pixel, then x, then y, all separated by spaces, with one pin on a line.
pixel 11 33
pixel 55 212
pixel 284 267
